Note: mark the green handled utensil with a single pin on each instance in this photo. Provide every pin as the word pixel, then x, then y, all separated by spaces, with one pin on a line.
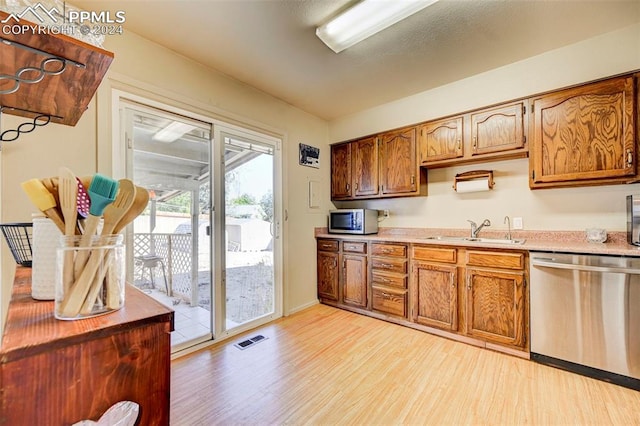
pixel 102 192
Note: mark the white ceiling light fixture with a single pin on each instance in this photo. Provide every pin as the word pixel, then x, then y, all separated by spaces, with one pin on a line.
pixel 174 131
pixel 366 19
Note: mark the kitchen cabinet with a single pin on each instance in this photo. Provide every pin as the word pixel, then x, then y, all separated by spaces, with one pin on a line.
pixel 441 140
pixel 399 168
pixel 389 278
pixel 499 129
pixel 491 133
pixel 63 96
pixel 354 280
pixel 378 166
pixel 60 372
pixel 366 168
pixel 341 185
pixel 475 295
pixel 584 135
pixel 328 271
pixel 435 287
pixel 495 297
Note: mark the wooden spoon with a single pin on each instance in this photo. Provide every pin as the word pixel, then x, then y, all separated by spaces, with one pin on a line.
pixel 138 206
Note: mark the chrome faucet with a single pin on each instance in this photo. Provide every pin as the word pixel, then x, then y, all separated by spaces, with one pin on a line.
pixel 507 220
pixel 475 229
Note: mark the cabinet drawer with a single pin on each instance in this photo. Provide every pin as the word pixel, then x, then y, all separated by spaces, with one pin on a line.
pixel 390 264
pixel 328 245
pixel 495 259
pixel 354 247
pixel 395 250
pixel 390 301
pixel 436 254
pixel 380 278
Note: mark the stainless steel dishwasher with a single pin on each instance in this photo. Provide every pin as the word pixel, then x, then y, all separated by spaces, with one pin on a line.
pixel 585 315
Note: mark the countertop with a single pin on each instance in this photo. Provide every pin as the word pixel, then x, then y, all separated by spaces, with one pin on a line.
pixel 550 241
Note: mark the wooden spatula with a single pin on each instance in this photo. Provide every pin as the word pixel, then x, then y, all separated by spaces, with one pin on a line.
pixel 68 193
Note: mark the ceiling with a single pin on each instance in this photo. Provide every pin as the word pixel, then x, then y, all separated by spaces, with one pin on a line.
pixel 271 44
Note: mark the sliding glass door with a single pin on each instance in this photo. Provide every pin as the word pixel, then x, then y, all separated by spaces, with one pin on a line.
pixel 169 155
pixel 250 277
pixel 208 244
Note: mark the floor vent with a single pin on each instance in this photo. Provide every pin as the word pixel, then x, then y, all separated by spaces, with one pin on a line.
pixel 250 342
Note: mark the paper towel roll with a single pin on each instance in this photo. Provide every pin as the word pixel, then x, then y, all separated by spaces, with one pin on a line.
pixel 475 185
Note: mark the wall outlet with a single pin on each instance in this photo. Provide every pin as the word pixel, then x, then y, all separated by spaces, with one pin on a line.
pixel 517 223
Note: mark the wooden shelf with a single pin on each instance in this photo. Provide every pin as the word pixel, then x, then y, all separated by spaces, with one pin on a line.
pixel 66 96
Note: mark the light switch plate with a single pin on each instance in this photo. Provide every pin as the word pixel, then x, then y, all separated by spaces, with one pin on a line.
pixel 517 223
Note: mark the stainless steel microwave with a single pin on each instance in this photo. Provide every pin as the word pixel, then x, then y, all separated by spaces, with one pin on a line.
pixel 353 221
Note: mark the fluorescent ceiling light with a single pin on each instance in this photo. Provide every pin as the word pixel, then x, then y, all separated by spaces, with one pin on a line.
pixel 365 19
pixel 173 131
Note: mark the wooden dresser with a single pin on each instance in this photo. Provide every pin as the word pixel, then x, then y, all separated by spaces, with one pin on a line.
pixel 59 372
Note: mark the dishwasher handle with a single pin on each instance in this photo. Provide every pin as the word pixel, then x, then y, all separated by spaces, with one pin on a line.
pixel 552 263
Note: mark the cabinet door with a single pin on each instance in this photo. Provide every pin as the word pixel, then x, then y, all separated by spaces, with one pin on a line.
pixel 354 280
pixel 435 295
pixel 365 157
pixel 398 163
pixel 328 275
pixel 341 171
pixel 584 134
pixel 441 140
pixel 497 129
pixel 495 306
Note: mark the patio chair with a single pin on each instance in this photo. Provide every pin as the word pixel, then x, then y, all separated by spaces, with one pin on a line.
pixel 150 262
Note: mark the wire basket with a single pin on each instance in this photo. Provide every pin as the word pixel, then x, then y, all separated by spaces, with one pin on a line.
pixel 19 238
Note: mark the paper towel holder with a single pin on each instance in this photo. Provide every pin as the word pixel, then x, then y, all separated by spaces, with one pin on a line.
pixel 474 175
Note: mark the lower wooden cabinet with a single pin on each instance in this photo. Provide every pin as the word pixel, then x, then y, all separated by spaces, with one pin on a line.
pixel 495 297
pixel 495 306
pixel 328 269
pixel 354 280
pixel 465 293
pixel 389 278
pixel 328 275
pixel 435 295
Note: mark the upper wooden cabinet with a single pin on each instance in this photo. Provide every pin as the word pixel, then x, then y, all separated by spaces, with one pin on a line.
pixel 64 95
pixel 498 129
pixel 365 166
pixel 584 135
pixel 441 140
pixel 341 172
pixel 399 168
pixel 378 166
pixel 490 133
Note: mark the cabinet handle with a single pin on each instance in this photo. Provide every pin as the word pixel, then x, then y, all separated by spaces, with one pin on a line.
pixel 335 263
pixel 459 144
pixel 385 265
pixel 355 186
pixel 629 158
pixel 413 180
pixel 453 284
pixel 468 283
pixel 344 264
pixel 348 187
pixel 475 143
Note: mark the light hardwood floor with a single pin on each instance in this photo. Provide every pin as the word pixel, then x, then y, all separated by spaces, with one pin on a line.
pixel 328 366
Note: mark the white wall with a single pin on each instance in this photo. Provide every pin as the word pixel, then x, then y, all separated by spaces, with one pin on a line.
pixel 547 209
pixel 146 68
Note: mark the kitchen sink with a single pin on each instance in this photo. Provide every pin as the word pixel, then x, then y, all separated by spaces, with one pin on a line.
pixel 476 240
